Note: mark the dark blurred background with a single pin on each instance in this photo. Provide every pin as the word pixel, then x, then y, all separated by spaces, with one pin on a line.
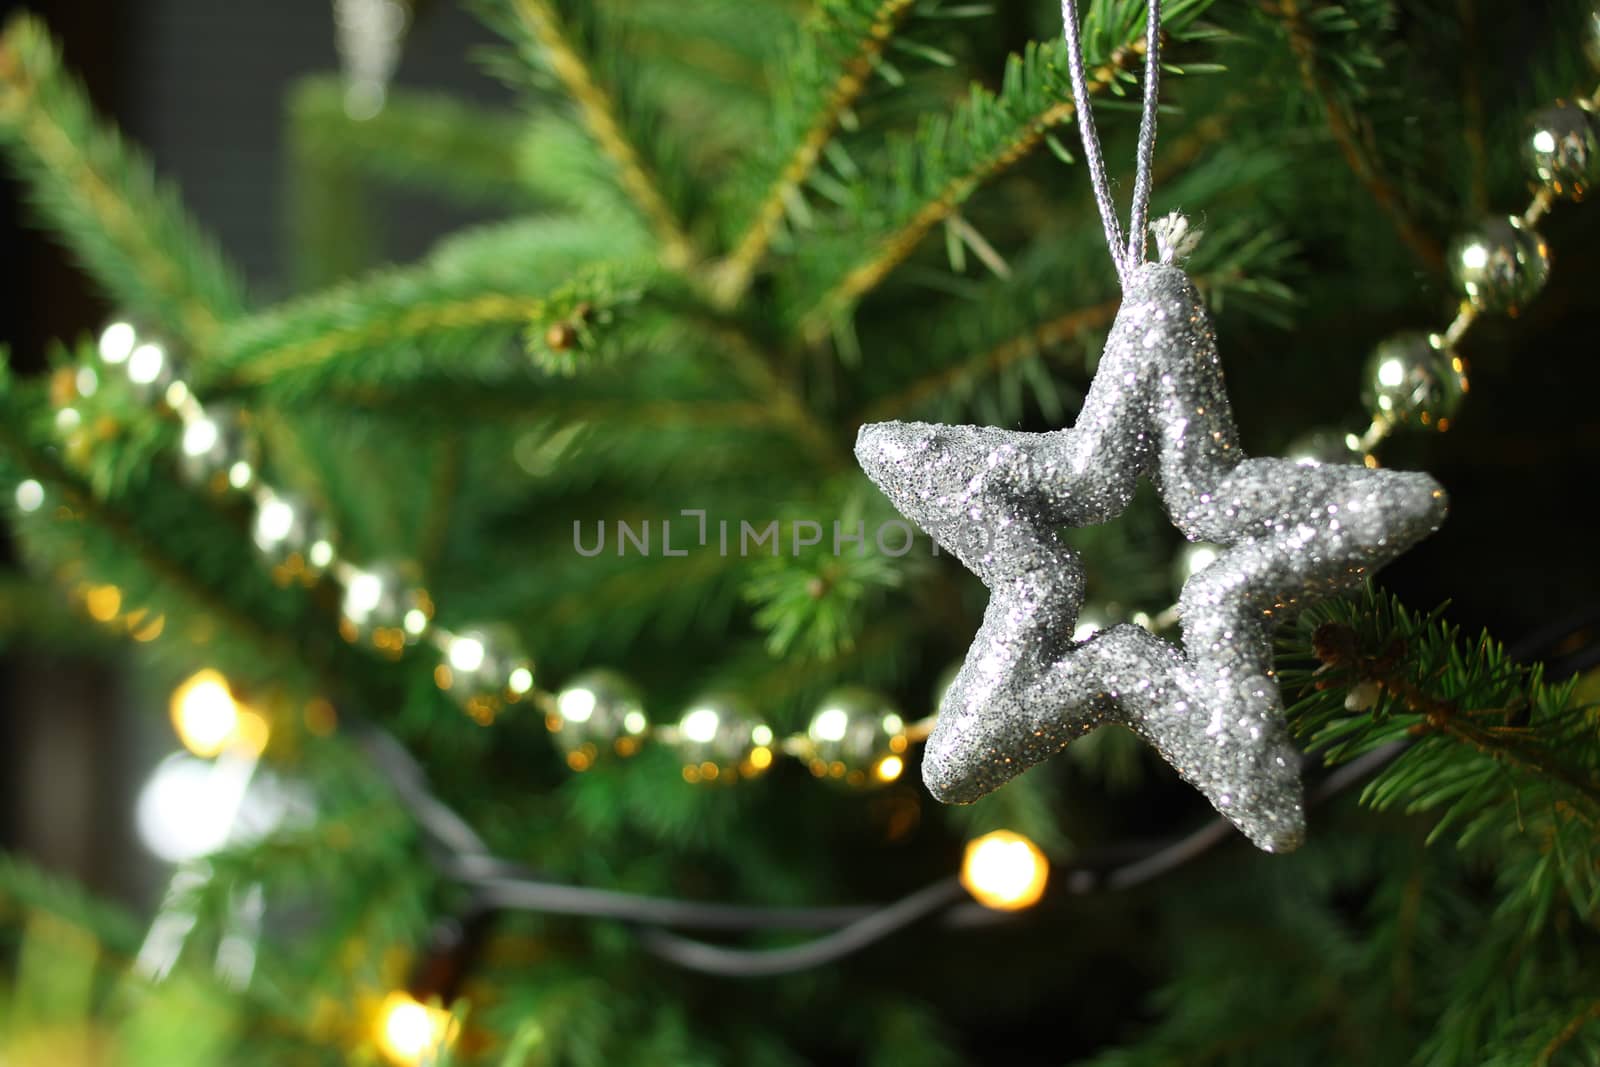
pixel 201 84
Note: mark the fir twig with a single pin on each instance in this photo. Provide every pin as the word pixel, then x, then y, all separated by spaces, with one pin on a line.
pixel 453 313
pixel 598 114
pixel 1058 330
pixel 419 321
pixel 444 485
pixel 755 369
pixel 1390 671
pixel 428 140
pixel 845 87
pixel 1502 758
pixel 103 199
pixel 1342 127
pixel 1568 1033
pixel 983 111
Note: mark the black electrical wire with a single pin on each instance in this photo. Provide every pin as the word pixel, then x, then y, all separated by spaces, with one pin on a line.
pixel 499 884
pixel 846 941
pixel 510 887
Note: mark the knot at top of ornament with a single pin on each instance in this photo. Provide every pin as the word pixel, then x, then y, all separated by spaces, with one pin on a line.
pixel 1176 240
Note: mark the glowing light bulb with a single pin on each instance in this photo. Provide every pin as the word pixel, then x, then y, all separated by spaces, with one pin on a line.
pixel 521 681
pixel 889 768
pixel 183 812
pixel 1005 871
pixel 104 602
pixel 1391 373
pixel 30 495
pixel 208 719
pixel 1544 142
pixel 409 1032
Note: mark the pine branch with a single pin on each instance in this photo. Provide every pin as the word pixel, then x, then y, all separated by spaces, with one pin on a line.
pixel 755 369
pixel 26 887
pixel 539 24
pixel 951 158
pixel 833 66
pixel 1341 125
pixel 1502 757
pixel 1059 330
pixel 1238 262
pixel 427 140
pixel 453 314
pixel 1568 1033
pixel 102 198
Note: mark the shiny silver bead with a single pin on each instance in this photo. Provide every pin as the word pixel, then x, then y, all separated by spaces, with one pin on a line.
pixel 1561 145
pixel 597 712
pixel 296 541
pixel 151 370
pixel 1500 265
pixel 1413 377
pixel 720 739
pixel 857 735
pixel 216 452
pixel 384 608
pixel 483 670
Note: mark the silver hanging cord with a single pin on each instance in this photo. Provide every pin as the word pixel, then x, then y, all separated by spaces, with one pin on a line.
pixel 1125 257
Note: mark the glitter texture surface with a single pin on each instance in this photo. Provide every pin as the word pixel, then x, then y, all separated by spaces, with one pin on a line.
pixel 998 500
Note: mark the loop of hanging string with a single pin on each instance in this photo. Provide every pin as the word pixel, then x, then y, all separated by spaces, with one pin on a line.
pixel 1125 257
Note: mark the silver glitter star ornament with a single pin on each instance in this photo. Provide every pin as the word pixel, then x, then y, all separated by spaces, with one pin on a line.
pixel 999 500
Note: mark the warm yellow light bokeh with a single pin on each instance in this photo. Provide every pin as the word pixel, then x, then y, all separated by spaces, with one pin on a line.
pixel 410 1033
pixel 104 602
pixel 1005 871
pixel 208 719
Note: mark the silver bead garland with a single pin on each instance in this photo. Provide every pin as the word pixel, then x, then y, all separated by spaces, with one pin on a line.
pixel 1561 146
pixel 1500 265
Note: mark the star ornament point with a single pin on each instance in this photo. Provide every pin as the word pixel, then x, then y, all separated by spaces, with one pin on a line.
pixel 1288 534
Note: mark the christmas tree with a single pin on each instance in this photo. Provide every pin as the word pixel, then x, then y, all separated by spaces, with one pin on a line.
pixel 554 686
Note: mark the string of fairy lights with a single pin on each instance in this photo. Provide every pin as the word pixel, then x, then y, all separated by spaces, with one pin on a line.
pixel 854 735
